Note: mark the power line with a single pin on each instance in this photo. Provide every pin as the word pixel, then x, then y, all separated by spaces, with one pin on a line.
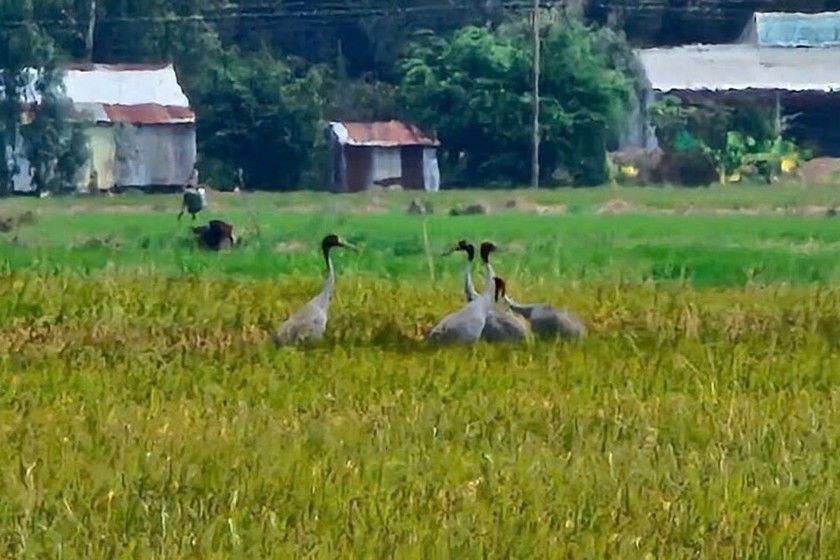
pixel 335 11
pixel 226 14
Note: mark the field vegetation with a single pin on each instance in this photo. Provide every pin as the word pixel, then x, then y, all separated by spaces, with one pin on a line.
pixel 145 414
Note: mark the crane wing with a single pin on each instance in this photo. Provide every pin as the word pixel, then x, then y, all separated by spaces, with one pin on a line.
pixel 306 325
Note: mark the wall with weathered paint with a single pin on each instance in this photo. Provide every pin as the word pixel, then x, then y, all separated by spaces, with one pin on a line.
pixel 148 155
pixel 101 150
pixel 386 163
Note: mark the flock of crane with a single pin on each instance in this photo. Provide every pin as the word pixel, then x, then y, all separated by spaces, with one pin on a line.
pixel 480 318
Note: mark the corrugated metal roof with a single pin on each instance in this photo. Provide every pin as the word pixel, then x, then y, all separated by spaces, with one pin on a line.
pixel 134 114
pixel 149 114
pixel 381 134
pixel 741 67
pixel 148 85
pixel 120 84
pixel 794 29
pixel 131 93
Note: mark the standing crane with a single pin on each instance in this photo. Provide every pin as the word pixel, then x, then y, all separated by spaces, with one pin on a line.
pixel 193 201
pixel 307 324
pixel 466 325
pixel 500 325
pixel 547 321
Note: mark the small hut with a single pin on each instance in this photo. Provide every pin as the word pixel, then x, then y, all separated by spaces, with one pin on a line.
pixel 141 129
pixel 369 155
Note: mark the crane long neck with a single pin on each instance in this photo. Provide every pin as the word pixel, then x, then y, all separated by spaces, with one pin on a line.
pixel 489 283
pixel 469 287
pixel 519 308
pixel 325 296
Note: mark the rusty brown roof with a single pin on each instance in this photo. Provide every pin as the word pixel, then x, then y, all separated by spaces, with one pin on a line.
pixel 149 113
pixel 384 134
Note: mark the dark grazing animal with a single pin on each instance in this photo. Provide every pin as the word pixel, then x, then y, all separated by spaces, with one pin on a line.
pixel 215 235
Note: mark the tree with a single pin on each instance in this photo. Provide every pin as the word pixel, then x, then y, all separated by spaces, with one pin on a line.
pixel 56 143
pixel 474 88
pixel 32 86
pixel 263 115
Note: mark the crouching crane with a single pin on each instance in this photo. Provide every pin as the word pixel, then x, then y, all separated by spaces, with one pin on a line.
pixel 466 325
pixel 499 325
pixel 547 321
pixel 307 324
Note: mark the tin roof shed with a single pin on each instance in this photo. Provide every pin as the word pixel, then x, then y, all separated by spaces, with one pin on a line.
pixel 383 134
pixel 368 155
pixel 130 93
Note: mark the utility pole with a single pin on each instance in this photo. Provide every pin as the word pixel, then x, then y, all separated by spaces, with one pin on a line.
pixel 535 156
pixel 90 29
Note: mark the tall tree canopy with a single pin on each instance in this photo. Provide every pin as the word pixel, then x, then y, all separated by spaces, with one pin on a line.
pixel 475 89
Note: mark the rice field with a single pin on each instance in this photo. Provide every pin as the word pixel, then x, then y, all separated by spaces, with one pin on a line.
pixel 144 413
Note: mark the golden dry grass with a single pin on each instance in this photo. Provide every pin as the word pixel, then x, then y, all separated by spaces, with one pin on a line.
pixel 146 416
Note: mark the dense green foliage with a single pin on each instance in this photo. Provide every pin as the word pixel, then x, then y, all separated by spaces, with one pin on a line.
pixel 475 90
pixel 53 144
pixel 263 96
pixel 738 136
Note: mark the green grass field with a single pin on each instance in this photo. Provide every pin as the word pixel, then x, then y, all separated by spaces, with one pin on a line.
pixel 144 414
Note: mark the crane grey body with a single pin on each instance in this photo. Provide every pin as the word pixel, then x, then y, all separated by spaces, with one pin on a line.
pixel 549 322
pixel 503 325
pixel 466 325
pixel 307 324
pixel 500 325
pixel 193 201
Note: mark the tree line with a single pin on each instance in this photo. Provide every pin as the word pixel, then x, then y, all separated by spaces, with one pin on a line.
pixel 264 78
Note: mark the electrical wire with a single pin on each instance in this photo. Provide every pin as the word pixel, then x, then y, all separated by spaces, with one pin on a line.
pixel 227 14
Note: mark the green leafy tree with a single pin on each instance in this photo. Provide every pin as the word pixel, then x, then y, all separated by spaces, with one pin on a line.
pixel 265 119
pixel 56 143
pixel 474 88
pixel 32 86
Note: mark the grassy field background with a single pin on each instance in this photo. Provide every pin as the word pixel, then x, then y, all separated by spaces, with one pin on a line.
pixel 719 236
pixel 144 414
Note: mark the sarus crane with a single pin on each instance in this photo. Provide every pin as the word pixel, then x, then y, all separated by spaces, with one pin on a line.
pixel 500 325
pixel 307 324
pixel 466 325
pixel 548 321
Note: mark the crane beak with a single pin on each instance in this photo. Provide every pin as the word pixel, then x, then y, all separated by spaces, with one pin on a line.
pixel 452 249
pixel 347 245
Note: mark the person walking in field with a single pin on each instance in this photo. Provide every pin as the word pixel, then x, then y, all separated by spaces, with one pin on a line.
pixel 194 199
